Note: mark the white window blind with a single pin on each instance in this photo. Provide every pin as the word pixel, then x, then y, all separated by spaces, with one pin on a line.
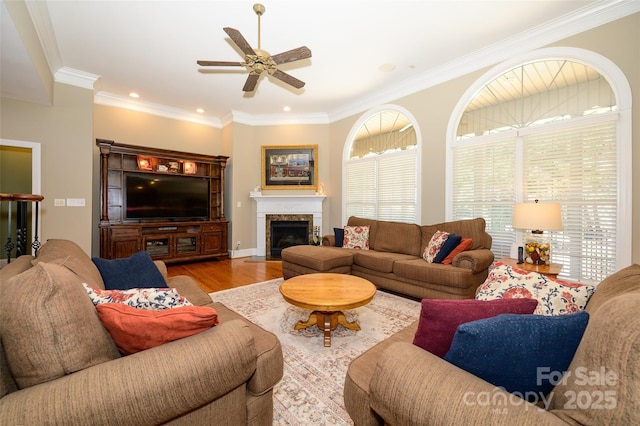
pixel 383 186
pixel 360 182
pixel 397 187
pixel 574 166
pixel 577 168
pixel 484 178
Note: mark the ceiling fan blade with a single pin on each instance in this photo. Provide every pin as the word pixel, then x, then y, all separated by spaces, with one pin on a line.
pixel 220 64
pixel 239 40
pixel 251 82
pixel 292 55
pixel 289 79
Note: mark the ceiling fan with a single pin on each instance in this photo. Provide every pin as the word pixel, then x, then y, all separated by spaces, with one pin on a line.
pixel 258 61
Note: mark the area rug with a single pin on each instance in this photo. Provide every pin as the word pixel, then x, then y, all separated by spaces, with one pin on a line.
pixel 311 390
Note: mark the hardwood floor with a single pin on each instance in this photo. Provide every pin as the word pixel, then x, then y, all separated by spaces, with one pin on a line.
pixel 216 275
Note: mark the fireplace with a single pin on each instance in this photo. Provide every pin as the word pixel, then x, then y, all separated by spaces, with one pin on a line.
pixel 270 208
pixel 287 233
pixel 286 230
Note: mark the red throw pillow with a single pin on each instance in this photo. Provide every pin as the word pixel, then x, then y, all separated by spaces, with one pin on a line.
pixel 464 245
pixel 134 330
pixel 439 319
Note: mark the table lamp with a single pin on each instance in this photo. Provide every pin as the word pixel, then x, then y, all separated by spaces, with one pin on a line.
pixel 537 217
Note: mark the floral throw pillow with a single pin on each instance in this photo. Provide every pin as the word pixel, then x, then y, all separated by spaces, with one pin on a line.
pixel 435 244
pixel 555 297
pixel 143 298
pixel 356 237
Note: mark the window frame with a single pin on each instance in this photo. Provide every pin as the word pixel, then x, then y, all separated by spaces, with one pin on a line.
pixel 417 150
pixel 622 91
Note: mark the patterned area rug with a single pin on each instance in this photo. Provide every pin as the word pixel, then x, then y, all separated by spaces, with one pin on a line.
pixel 311 390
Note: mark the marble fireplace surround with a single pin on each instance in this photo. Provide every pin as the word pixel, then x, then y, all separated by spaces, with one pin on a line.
pixel 284 207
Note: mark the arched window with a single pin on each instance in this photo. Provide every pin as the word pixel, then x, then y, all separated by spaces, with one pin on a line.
pixel 554 128
pixel 380 167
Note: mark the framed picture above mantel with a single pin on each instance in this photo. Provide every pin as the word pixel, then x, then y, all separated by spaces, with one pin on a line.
pixel 290 167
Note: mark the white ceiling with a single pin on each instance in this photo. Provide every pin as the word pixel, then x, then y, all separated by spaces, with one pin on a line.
pixel 151 47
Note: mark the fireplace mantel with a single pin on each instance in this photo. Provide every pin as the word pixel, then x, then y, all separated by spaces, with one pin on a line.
pixel 284 204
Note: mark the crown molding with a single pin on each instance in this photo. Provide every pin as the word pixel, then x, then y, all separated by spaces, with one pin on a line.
pixel 278 119
pixel 109 99
pixel 39 14
pixel 76 78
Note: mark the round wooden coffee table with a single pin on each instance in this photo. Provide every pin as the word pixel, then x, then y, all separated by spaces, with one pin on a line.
pixel 327 295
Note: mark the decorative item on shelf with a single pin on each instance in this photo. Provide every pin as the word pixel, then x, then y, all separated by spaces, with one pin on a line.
pixel 537 217
pixel 315 239
pixel 162 167
pixel 174 166
pixel 190 167
pixel 321 189
pixel 144 163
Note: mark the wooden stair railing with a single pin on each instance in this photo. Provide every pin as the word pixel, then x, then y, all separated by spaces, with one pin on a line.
pixel 21 223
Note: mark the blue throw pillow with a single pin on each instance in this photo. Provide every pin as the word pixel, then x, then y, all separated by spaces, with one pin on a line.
pixel 339 235
pixel 524 354
pixel 137 271
pixel 448 246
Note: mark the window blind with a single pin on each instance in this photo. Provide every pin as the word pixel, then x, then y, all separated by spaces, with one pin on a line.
pixel 484 178
pixel 574 166
pixel 577 168
pixel 383 186
pixel 360 183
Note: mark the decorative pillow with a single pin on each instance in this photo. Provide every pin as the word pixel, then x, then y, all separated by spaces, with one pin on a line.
pixel 134 330
pixel 435 244
pixel 439 319
pixel 143 298
pixel 465 244
pixel 49 326
pixel 356 237
pixel 555 297
pixel 339 236
pixel 136 271
pixel 452 242
pixel 521 353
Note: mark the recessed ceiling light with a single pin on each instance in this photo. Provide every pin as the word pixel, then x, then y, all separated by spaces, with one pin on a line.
pixel 387 67
pixel 200 110
pixel 286 109
pixel 134 95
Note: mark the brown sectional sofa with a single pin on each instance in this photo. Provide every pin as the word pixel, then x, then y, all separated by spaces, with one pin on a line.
pixel 224 375
pixel 398 383
pixel 394 261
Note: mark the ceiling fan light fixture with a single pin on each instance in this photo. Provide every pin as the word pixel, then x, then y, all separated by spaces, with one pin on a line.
pixel 257 60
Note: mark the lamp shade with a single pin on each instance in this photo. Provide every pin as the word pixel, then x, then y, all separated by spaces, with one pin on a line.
pixel 537 216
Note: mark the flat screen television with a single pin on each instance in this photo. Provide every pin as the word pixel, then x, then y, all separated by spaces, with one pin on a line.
pixel 150 197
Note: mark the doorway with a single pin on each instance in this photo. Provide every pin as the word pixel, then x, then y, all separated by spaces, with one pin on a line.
pixel 19 174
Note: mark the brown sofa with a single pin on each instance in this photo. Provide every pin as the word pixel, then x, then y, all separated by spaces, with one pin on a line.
pixel 394 261
pixel 73 373
pixel 396 382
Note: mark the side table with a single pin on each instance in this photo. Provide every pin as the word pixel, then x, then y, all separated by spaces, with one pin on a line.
pixel 551 270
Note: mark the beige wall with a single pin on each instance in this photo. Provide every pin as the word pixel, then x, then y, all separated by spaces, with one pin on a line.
pixel 137 128
pixel 432 108
pixel 246 167
pixel 67 132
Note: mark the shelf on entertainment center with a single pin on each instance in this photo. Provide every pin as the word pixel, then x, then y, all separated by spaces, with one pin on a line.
pixel 173 238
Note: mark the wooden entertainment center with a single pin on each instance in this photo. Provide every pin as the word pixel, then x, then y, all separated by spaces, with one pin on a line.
pixel 170 240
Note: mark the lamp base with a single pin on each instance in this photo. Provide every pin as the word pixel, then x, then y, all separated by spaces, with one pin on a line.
pixel 537 250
